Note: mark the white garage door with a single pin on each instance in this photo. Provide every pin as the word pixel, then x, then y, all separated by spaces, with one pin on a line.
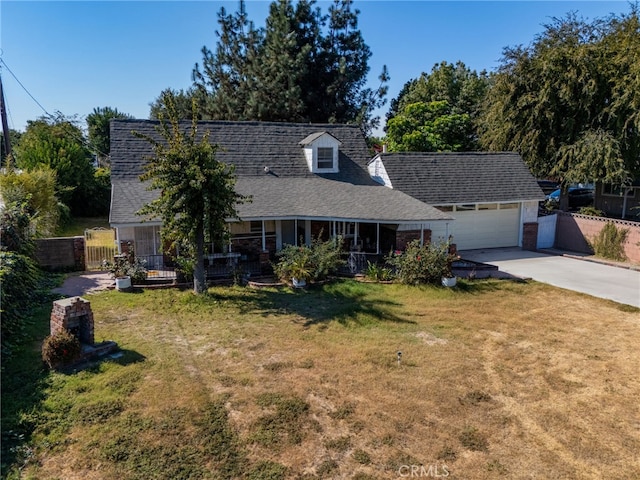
pixel 488 228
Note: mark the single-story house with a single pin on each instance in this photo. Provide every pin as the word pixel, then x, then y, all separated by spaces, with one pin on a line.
pixel 492 196
pixel 303 179
pixel 622 201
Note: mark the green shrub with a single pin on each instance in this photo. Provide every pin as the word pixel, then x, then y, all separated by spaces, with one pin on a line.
pixel 60 349
pixel 609 242
pixel 422 264
pixel 592 211
pixel 19 278
pixel 378 272
pixel 309 262
pixel 326 257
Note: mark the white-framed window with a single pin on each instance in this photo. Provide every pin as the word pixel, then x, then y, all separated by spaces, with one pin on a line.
pixel 256 227
pixel 324 158
pixel 611 190
pixel 487 206
pixel 465 208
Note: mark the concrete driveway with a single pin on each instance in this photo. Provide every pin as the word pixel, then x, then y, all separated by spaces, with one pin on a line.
pixel 621 285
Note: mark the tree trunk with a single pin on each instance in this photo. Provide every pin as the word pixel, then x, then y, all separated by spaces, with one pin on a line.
pixel 199 277
pixel 563 201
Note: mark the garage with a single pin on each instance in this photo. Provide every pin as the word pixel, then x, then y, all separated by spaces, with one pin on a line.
pixel 492 196
pixel 486 226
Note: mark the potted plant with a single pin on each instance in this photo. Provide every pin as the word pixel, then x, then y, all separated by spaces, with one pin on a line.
pixel 300 271
pixel 448 278
pixel 125 269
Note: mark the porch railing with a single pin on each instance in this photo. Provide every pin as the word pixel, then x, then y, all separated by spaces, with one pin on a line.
pixel 156 266
pixel 357 262
pixel 216 266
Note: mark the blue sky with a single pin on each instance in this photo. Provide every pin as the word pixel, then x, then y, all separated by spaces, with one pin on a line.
pixel 74 56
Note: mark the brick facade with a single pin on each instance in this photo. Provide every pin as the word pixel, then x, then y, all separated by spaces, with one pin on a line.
pixel 530 236
pixel 403 238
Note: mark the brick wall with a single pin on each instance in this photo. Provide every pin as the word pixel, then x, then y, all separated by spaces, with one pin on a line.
pixel 61 254
pixel 403 238
pixel 530 236
pixel 573 231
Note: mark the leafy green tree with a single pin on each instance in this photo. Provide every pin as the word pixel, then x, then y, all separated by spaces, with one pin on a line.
pixel 570 101
pixel 59 144
pixel 430 127
pixel 463 91
pixel 303 66
pixel 35 190
pixel 183 99
pixel 197 191
pixel 99 131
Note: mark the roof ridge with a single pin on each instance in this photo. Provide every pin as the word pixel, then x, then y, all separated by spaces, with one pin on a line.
pixel 242 122
pixel 433 154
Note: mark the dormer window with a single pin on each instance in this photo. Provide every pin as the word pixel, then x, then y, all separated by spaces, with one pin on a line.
pixel 325 158
pixel 321 152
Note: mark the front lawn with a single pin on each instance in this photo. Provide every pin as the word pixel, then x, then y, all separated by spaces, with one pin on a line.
pixel 496 379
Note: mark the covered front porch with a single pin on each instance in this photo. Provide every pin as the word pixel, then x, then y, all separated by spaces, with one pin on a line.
pixel 253 245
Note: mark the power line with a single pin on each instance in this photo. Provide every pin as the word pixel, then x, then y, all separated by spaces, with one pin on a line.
pixel 24 88
pixel 81 139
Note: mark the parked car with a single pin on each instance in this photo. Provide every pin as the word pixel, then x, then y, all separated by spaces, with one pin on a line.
pixel 548 186
pixel 578 197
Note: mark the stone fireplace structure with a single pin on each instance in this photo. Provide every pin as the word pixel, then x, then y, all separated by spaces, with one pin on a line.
pixel 74 315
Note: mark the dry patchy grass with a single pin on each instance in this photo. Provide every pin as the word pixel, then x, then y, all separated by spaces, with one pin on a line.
pixel 497 379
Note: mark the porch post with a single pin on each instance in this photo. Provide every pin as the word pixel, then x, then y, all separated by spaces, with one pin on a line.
pixel 264 238
pixel 118 241
pixel 421 234
pixel 356 232
pixel 295 229
pixel 378 238
pixel 278 235
pixel 307 232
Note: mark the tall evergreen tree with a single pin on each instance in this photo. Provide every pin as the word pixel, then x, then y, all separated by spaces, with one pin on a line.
pixel 303 66
pixel 222 79
pixel 276 81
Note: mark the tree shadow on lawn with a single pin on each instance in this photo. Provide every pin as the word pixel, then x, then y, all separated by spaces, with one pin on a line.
pixel 342 302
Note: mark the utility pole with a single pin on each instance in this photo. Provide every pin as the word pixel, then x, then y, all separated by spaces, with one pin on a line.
pixel 5 126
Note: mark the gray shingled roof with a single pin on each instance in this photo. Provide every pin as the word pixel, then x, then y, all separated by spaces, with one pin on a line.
pixel 469 177
pixel 287 190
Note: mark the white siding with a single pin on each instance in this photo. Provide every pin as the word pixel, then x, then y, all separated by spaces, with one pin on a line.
pixel 378 172
pixel 529 212
pixel 311 153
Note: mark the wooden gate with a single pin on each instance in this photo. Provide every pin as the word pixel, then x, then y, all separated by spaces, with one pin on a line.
pixel 99 245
